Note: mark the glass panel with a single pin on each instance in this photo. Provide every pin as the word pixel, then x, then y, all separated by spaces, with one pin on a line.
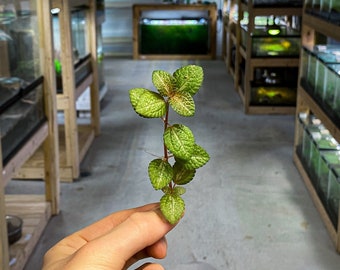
pixel 19 40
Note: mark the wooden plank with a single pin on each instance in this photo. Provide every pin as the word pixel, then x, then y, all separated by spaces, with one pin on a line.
pixel 33 168
pixel 94 86
pixel 35 212
pixel 271 109
pixel 5 65
pixel 4 252
pixel 28 149
pixel 323 26
pixel 317 202
pixel 51 145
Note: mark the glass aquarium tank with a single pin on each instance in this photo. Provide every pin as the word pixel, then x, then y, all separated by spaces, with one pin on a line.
pixel 272 36
pixel 326 160
pixel 325 9
pixel 333 194
pixel 21 94
pixel 81 51
pixel 332 88
pixel 174 36
pixel 274 86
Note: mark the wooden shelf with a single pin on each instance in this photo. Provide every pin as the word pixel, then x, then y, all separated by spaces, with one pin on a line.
pixel 211 10
pixel 246 63
pixel 74 140
pixel 333 232
pixel 322 26
pixel 34 167
pixel 35 212
pixel 307 104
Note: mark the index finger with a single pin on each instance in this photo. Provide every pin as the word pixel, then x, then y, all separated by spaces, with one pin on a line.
pixel 109 222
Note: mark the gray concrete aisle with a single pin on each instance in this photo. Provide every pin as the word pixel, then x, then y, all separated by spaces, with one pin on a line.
pixel 247 209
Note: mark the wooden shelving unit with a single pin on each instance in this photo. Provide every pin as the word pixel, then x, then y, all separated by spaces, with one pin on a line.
pixel 229 39
pixel 240 60
pixel 306 103
pixel 35 210
pixel 74 139
pixel 211 11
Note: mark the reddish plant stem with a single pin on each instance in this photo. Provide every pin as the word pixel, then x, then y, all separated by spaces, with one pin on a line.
pixel 166 124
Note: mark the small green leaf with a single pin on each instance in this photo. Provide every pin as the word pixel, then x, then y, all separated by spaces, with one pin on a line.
pixel 182 103
pixel 189 78
pixel 179 191
pixel 160 173
pixel 182 175
pixel 147 103
pixel 198 158
pixel 172 207
pixel 164 82
pixel 179 140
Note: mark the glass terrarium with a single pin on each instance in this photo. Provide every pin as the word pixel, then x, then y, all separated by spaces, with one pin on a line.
pixel 274 86
pixel 314 67
pixel 333 194
pixel 332 88
pixel 21 94
pixel 326 9
pixel 81 51
pixel 272 39
pixel 174 36
pixel 326 160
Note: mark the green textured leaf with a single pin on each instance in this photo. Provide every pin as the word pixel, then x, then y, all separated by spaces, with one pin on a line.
pixel 164 82
pixel 198 158
pixel 160 173
pixel 147 103
pixel 182 103
pixel 189 78
pixel 182 175
pixel 172 207
pixel 179 191
pixel 179 140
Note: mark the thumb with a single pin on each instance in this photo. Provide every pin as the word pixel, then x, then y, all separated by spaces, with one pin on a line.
pixel 116 249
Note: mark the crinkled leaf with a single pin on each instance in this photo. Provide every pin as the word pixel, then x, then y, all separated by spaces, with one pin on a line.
pixel 179 140
pixel 182 175
pixel 160 173
pixel 172 207
pixel 198 158
pixel 147 103
pixel 189 78
pixel 179 191
pixel 164 82
pixel 182 103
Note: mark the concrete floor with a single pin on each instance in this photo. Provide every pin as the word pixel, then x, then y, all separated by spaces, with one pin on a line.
pixel 246 209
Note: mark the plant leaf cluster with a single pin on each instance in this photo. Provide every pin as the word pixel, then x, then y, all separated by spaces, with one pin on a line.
pixel 176 91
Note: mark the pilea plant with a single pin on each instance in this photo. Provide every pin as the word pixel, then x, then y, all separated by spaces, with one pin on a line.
pixel 181 155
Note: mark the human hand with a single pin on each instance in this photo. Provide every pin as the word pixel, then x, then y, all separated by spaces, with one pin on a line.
pixel 114 243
